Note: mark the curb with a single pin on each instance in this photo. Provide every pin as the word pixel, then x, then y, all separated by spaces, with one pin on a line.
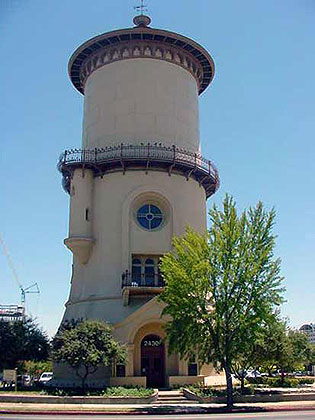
pixel 160 410
pixel 52 399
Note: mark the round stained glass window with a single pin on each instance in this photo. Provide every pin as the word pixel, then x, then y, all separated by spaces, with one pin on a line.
pixel 149 216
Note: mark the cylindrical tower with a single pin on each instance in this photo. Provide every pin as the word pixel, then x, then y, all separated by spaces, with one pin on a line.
pixel 138 180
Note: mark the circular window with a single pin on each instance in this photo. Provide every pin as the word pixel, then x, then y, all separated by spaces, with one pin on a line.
pixel 149 216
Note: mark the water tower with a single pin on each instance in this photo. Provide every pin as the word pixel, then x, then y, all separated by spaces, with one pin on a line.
pixel 138 180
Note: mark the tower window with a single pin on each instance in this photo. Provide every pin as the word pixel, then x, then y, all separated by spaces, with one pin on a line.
pixel 192 366
pixel 149 216
pixel 136 271
pixel 145 271
pixel 87 214
pixel 149 272
pixel 120 371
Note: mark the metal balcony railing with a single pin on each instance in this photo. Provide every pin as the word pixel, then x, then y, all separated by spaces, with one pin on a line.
pixel 141 280
pixel 144 156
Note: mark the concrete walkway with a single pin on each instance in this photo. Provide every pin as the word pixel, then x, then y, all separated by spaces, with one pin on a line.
pixel 168 402
pixel 181 407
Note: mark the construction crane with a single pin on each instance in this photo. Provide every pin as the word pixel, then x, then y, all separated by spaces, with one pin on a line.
pixel 33 288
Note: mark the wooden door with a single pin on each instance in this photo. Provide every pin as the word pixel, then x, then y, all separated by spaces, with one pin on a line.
pixel 153 361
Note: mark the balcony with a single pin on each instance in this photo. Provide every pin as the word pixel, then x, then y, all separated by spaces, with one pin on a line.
pixel 124 157
pixel 142 285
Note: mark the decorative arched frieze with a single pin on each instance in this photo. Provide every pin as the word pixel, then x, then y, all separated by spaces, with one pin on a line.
pixel 138 49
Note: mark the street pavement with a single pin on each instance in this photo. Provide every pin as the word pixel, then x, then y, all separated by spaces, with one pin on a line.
pixel 300 415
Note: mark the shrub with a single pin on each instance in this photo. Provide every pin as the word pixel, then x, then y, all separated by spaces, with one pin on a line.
pixel 114 391
pixel 204 392
pixel 277 382
pixel 255 381
pixel 120 391
pixel 304 381
pixel 201 391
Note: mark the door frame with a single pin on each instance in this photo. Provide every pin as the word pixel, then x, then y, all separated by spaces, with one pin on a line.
pixel 155 348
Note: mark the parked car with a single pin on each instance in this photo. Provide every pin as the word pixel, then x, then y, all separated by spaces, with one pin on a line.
pixel 253 374
pixel 45 377
pixel 24 380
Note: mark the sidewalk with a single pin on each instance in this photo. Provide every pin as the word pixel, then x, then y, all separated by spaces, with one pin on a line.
pixel 89 409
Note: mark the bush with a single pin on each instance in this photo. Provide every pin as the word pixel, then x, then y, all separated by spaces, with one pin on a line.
pixel 255 381
pixel 204 392
pixel 304 381
pixel 120 391
pixel 277 382
pixel 200 391
pixel 114 391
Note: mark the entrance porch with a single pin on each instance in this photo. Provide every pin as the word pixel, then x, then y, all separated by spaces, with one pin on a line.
pixel 149 363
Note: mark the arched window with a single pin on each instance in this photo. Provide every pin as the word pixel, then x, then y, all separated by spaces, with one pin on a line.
pixel 149 272
pixel 136 271
pixel 145 271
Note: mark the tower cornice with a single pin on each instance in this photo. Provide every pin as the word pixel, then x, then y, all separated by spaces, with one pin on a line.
pixel 141 42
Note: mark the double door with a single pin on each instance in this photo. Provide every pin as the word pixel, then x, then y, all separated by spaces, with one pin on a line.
pixel 153 361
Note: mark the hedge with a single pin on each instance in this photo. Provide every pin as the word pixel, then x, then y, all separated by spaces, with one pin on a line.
pixel 277 382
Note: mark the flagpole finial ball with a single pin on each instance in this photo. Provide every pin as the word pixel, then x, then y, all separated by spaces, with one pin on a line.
pixel 141 20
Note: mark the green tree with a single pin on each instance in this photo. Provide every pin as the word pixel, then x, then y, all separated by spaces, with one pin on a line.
pixel 300 351
pixel 85 346
pixel 249 355
pixel 311 361
pixel 312 355
pixel 272 345
pixel 221 286
pixel 282 348
pixel 20 341
pixel 36 368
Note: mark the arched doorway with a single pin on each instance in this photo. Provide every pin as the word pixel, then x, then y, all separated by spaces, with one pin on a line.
pixel 153 361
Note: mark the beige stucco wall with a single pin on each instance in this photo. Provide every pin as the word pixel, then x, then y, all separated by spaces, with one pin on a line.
pixel 128 381
pixel 64 375
pixel 185 380
pixel 81 196
pixel 149 320
pixel 141 100
pixel 145 321
pixel 96 286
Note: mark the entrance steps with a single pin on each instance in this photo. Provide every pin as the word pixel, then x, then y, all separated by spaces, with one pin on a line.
pixel 172 398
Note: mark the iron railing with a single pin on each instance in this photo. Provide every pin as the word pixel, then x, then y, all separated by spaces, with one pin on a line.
pixel 129 279
pixel 146 156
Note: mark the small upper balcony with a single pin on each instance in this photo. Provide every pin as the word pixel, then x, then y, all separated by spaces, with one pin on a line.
pixel 140 285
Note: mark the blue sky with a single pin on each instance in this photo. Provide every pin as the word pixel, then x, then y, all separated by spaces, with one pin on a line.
pixel 257 124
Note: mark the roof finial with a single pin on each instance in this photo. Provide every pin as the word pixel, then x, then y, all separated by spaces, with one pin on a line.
pixel 141 8
pixel 141 20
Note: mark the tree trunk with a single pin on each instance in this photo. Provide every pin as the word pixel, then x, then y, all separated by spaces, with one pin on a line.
pixel 84 378
pixel 243 384
pixel 229 386
pixel 282 377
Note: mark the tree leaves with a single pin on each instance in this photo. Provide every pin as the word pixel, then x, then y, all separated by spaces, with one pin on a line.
pixel 86 345
pixel 22 340
pixel 221 286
